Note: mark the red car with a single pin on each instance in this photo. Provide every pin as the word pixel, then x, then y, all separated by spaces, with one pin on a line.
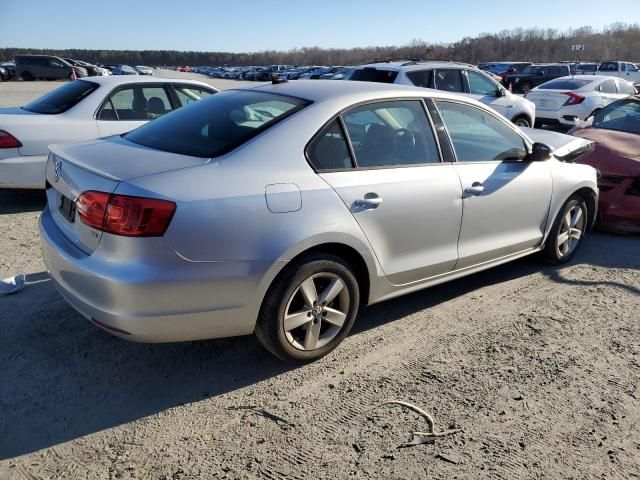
pixel 616 131
pixel 183 69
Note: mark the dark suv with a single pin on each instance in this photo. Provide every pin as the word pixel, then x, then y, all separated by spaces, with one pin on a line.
pixel 535 75
pixel 30 67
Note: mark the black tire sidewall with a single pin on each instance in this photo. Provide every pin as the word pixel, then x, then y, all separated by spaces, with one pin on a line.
pixel 271 319
pixel 551 250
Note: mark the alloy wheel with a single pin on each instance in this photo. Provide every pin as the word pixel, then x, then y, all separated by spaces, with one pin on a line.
pixel 316 311
pixel 571 230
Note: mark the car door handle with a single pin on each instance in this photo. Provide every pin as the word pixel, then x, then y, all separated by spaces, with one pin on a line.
pixel 370 200
pixel 476 188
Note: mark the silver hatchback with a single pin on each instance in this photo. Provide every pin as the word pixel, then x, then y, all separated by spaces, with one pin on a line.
pixel 282 209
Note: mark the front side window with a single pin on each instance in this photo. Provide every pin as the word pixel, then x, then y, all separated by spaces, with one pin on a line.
pixel 448 80
pixel 481 85
pixel 390 134
pixel 329 150
pixel 608 86
pixel 421 78
pixel 56 63
pixel 62 98
pixel 216 125
pixel 187 94
pixel 136 103
pixel 623 116
pixel 478 136
pixel 609 67
pixel 625 87
pixel 631 67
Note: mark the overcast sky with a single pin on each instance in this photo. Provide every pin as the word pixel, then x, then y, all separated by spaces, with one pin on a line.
pixel 254 25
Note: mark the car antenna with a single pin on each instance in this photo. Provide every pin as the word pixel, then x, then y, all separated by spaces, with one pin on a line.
pixel 275 80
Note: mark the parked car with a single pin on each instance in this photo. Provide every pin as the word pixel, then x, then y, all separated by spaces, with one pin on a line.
pixel 535 75
pixel 503 69
pixel 451 77
pixel 185 68
pixel 584 68
pixel 626 70
pixel 82 110
pixel 194 235
pixel 10 67
pixel 566 100
pixel 142 70
pixel 616 131
pixel 49 67
pixel 343 73
pixel 124 70
pixel 91 69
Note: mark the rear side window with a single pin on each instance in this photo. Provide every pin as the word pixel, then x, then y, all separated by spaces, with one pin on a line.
pixel 136 103
pixel 329 150
pixel 398 133
pixel 449 80
pixel 564 84
pixel 216 125
pixel 374 75
pixel 421 78
pixel 62 98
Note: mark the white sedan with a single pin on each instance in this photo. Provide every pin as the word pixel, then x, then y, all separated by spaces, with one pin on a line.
pixel 567 100
pixel 81 110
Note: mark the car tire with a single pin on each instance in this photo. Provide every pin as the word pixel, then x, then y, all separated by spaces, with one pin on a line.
pixel 294 324
pixel 526 87
pixel 567 231
pixel 522 121
pixel 26 76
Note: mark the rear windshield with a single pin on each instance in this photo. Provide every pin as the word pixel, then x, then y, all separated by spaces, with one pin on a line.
pixel 564 84
pixel 216 125
pixel 374 75
pixel 623 116
pixel 62 98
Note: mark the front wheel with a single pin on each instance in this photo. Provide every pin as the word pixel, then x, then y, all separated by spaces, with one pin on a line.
pixel 309 309
pixel 567 232
pixel 522 121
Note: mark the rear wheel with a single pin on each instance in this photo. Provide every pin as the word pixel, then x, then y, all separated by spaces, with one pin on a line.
pixel 309 309
pixel 568 229
pixel 26 76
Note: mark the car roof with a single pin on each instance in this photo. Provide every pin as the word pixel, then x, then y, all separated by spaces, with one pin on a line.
pixel 347 91
pixel 114 80
pixel 409 65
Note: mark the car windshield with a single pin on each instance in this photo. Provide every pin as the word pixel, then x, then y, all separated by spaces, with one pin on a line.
pixel 216 125
pixel 564 84
pixel 62 98
pixel 374 75
pixel 623 116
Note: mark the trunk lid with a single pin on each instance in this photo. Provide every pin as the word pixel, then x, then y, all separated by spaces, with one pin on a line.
pixel 98 165
pixel 548 99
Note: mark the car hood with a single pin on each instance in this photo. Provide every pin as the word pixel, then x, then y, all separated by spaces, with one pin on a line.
pixel 616 153
pixel 118 159
pixel 566 148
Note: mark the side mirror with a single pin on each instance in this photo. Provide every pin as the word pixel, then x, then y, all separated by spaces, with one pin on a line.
pixel 539 152
pixel 501 92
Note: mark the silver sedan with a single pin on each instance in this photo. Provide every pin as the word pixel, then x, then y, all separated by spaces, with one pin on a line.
pixel 281 210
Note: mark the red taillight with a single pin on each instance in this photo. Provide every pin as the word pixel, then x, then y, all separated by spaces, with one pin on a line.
pixel 9 141
pixel 125 215
pixel 574 99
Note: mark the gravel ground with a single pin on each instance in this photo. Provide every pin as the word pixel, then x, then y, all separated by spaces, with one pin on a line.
pixel 539 365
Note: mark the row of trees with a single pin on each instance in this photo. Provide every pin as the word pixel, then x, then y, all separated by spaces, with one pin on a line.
pixel 618 41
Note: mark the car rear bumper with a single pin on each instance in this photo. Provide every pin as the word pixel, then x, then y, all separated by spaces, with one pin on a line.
pixel 23 171
pixel 161 299
pixel 568 116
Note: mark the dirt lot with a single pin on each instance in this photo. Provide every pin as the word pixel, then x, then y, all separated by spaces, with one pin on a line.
pixel 539 366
